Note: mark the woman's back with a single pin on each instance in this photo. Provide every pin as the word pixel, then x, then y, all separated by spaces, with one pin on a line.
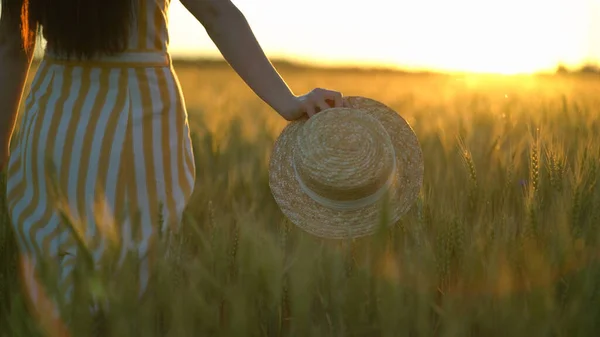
pixel 150 31
pixel 111 133
pixel 107 129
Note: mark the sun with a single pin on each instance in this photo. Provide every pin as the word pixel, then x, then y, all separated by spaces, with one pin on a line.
pixel 501 37
pixel 506 37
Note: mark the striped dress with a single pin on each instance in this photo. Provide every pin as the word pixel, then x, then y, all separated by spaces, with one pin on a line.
pixel 112 136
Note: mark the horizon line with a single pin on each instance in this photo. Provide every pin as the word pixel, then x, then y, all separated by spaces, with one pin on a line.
pixel 358 66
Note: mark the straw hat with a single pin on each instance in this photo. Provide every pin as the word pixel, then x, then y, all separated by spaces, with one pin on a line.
pixel 331 174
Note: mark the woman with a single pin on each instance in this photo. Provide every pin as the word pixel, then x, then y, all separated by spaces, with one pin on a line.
pixel 106 120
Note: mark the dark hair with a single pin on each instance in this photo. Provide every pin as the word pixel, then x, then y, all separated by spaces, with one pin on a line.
pixel 80 28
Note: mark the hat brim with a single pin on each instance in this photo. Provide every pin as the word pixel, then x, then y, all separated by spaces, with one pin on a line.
pixel 324 222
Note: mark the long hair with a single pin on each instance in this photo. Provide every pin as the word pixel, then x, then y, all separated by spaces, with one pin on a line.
pixel 74 28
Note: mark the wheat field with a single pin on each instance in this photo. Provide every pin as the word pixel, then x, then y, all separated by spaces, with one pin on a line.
pixel 502 241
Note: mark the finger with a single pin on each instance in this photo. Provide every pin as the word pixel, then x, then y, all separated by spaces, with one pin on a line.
pixel 322 104
pixel 336 97
pixel 310 110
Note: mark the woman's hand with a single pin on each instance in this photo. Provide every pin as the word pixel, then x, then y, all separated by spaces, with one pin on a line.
pixel 311 103
pixel 231 33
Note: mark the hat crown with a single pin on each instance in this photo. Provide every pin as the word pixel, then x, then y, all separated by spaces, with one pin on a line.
pixel 344 155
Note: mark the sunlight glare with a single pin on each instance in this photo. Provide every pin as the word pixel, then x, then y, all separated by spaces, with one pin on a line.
pixel 505 37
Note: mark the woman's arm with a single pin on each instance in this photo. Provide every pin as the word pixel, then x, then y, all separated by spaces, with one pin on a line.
pixel 14 68
pixel 229 30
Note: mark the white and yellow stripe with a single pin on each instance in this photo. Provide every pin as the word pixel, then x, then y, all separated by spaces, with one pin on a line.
pixel 152 21
pixel 115 127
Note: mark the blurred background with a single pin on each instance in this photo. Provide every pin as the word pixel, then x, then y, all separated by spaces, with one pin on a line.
pixel 503 240
pixel 506 37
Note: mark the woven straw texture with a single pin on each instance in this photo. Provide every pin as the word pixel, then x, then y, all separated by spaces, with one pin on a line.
pixel 331 174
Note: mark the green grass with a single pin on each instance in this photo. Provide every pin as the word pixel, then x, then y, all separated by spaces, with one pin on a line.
pixel 503 240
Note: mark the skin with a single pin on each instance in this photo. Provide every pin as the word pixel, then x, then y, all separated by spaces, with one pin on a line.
pixel 228 29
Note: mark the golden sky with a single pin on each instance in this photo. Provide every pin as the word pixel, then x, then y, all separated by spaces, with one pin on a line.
pixel 498 36
pixel 506 36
